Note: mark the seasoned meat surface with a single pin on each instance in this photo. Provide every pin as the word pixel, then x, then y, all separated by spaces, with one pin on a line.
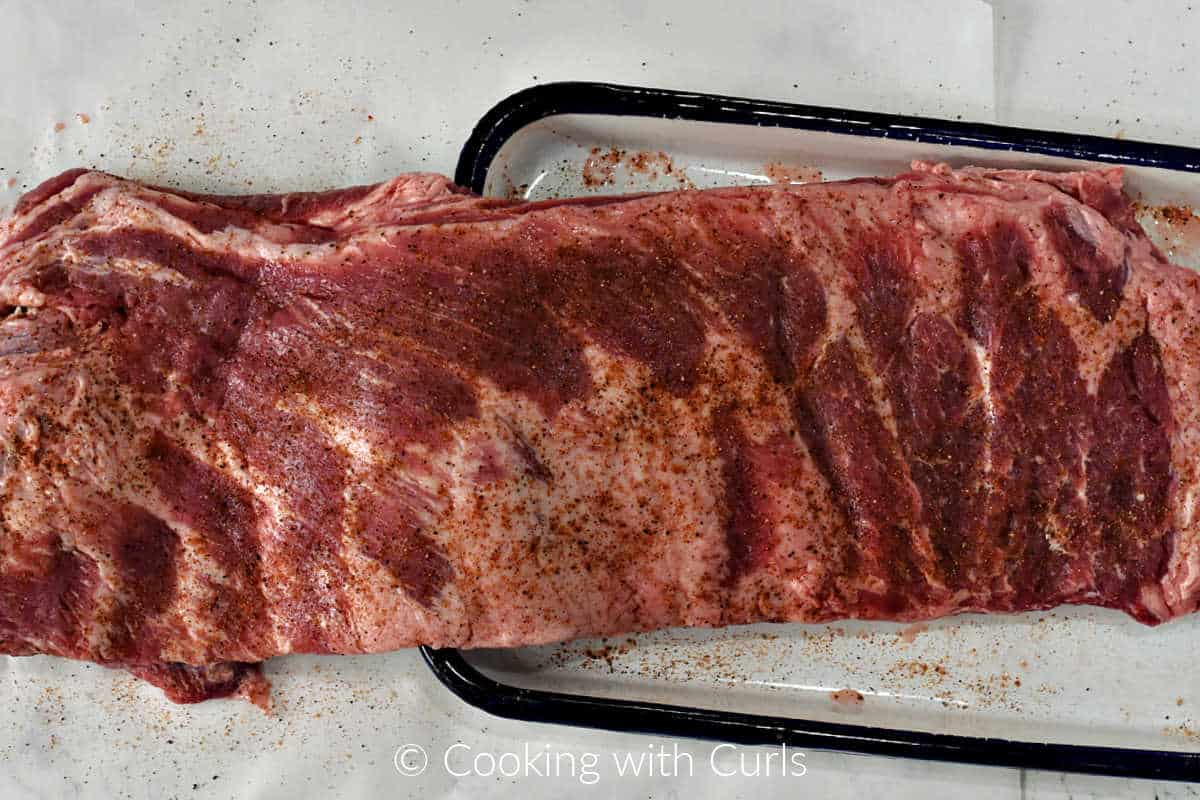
pixel 238 427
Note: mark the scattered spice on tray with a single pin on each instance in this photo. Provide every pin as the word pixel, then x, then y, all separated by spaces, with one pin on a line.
pixel 780 172
pixel 600 167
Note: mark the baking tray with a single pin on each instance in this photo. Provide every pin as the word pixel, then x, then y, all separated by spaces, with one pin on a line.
pixel 1074 689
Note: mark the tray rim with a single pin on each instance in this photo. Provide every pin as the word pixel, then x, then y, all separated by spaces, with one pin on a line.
pixel 448 665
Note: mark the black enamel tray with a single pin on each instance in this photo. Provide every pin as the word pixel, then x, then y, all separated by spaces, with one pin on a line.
pixel 535 705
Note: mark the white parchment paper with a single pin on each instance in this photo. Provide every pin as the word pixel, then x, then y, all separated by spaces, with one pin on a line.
pixel 291 95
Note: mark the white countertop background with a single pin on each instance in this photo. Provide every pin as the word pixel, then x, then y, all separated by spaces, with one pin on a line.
pixel 258 96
